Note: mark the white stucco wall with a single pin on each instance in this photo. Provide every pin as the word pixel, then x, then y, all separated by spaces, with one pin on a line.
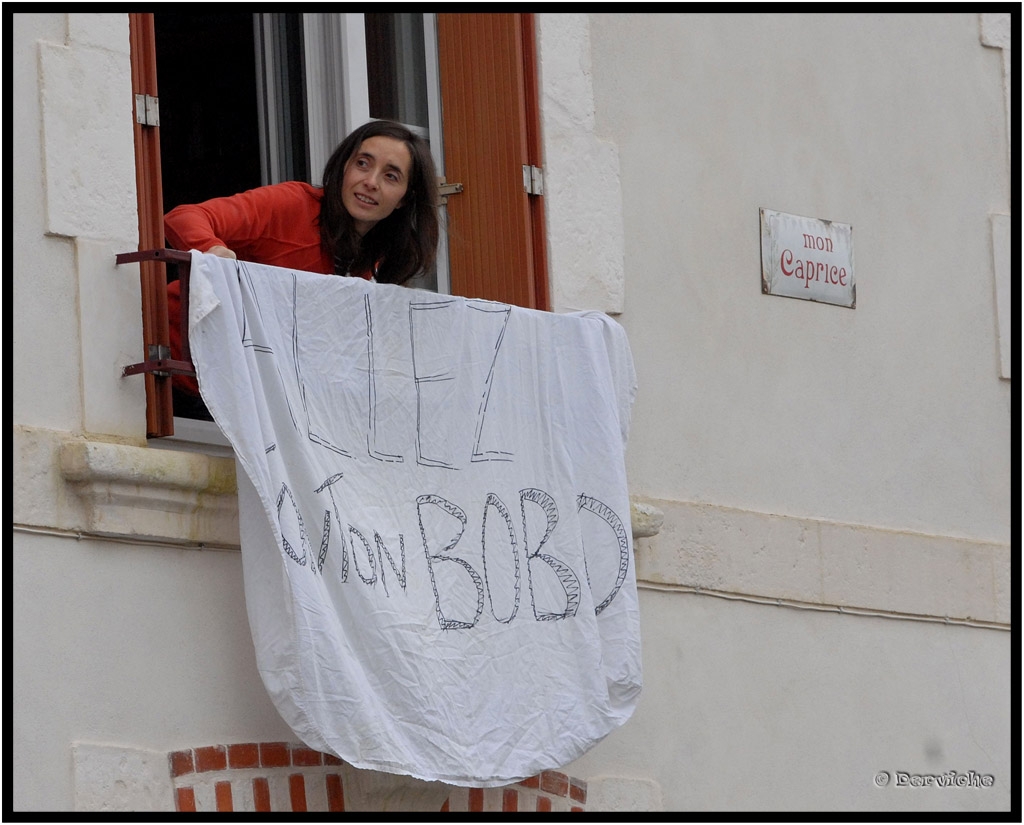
pixel 117 644
pixel 46 298
pixel 802 454
pixel 760 708
pixel 74 186
pixel 891 418
pixel 582 193
pixel 892 414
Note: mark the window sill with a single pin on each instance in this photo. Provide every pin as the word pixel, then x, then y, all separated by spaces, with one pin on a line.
pixel 162 495
pixel 182 497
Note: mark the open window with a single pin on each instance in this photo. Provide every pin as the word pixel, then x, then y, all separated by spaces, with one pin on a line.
pixel 247 99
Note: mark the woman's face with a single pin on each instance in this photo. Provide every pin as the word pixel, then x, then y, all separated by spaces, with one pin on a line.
pixel 375 181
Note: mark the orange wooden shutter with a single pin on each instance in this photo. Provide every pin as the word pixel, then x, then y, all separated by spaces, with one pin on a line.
pixel 159 404
pixel 491 130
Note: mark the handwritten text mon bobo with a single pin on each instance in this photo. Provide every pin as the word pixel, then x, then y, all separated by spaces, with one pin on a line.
pixel 468 572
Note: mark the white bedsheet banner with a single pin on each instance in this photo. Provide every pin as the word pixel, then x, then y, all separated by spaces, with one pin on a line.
pixel 435 525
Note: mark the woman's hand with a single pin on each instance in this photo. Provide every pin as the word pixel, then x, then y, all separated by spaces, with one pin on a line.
pixel 221 252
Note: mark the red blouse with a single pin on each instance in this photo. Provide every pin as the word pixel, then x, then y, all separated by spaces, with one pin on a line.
pixel 275 225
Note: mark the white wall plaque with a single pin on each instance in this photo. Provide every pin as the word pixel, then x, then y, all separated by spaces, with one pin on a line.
pixel 807 258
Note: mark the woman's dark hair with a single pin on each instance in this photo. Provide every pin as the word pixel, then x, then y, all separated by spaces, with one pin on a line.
pixel 402 245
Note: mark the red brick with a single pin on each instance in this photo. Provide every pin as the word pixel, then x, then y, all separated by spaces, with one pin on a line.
pixel 182 763
pixel 244 756
pixel 222 790
pixel 510 799
pixel 186 800
pixel 306 757
pixel 297 791
pixel 531 782
pixel 274 754
pixel 444 808
pixel 213 758
pixel 555 783
pixel 578 790
pixel 575 809
pixel 543 803
pixel 335 793
pixel 261 794
pixel 331 759
pixel 476 799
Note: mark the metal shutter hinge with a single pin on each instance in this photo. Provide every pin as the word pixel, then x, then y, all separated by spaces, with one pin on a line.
pixel 447 189
pixel 147 110
pixel 533 180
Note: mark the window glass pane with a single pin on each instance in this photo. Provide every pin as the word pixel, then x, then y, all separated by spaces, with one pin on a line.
pixel 396 67
pixel 283 100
